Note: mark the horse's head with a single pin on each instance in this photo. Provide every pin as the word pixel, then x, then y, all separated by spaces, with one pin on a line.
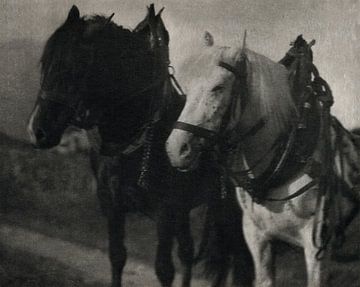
pixel 63 63
pixel 228 89
pixel 153 29
pixel 210 79
pixel 88 63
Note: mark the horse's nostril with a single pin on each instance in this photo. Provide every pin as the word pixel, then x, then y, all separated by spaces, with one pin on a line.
pixel 185 149
pixel 40 134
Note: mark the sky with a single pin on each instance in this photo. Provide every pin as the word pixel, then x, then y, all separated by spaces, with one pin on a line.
pixel 271 25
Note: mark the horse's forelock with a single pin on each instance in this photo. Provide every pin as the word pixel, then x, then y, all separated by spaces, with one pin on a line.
pixel 62 50
pixel 58 50
pixel 93 55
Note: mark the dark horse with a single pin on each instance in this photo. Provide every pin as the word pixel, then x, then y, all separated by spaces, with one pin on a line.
pixel 115 82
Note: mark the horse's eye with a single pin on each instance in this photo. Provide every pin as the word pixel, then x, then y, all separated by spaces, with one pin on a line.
pixel 217 88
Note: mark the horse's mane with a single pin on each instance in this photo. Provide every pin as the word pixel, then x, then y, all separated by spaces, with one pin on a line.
pixel 70 50
pixel 269 90
pixel 268 81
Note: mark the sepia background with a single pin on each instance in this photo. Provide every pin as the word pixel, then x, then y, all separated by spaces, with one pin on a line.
pixel 271 25
pixel 49 197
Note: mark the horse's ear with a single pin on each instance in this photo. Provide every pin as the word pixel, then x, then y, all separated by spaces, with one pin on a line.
pixel 151 12
pixel 74 14
pixel 243 48
pixel 160 12
pixel 208 39
pixel 242 61
pixel 153 28
pixel 162 35
pixel 144 25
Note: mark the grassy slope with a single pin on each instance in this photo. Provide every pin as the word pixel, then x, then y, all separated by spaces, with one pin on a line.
pixel 19 78
pixel 55 194
pixel 19 269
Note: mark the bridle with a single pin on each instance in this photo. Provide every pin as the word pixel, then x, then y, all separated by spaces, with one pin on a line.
pixel 81 114
pixel 214 136
pixel 208 134
pixel 196 130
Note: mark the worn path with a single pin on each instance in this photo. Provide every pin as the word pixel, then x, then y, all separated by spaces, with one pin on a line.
pixel 91 264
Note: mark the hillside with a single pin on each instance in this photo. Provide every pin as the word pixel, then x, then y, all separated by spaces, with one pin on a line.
pixel 19 78
pixel 36 187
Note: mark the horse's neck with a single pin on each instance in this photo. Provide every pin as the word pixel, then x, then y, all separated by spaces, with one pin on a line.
pixel 173 105
pixel 258 149
pixel 269 98
pixel 127 120
pixel 120 123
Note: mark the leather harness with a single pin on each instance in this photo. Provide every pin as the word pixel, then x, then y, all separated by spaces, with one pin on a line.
pixel 285 146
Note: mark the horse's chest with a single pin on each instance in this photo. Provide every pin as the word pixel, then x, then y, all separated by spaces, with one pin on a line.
pixel 260 216
pixel 279 219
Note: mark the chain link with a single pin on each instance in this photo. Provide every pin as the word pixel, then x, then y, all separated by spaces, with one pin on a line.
pixel 143 180
pixel 223 189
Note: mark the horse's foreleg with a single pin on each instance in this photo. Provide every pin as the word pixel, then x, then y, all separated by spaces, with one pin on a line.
pixel 166 229
pixel 313 265
pixel 186 247
pixel 117 250
pixel 109 194
pixel 260 249
pixel 116 233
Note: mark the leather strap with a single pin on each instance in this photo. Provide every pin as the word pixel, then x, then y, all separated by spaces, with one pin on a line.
pixel 198 131
pixel 301 191
pixel 230 68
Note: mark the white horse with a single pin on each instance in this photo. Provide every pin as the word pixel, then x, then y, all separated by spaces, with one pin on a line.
pixel 237 95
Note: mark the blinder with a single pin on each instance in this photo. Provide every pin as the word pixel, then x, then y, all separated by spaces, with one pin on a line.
pixel 60 99
pixel 81 116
